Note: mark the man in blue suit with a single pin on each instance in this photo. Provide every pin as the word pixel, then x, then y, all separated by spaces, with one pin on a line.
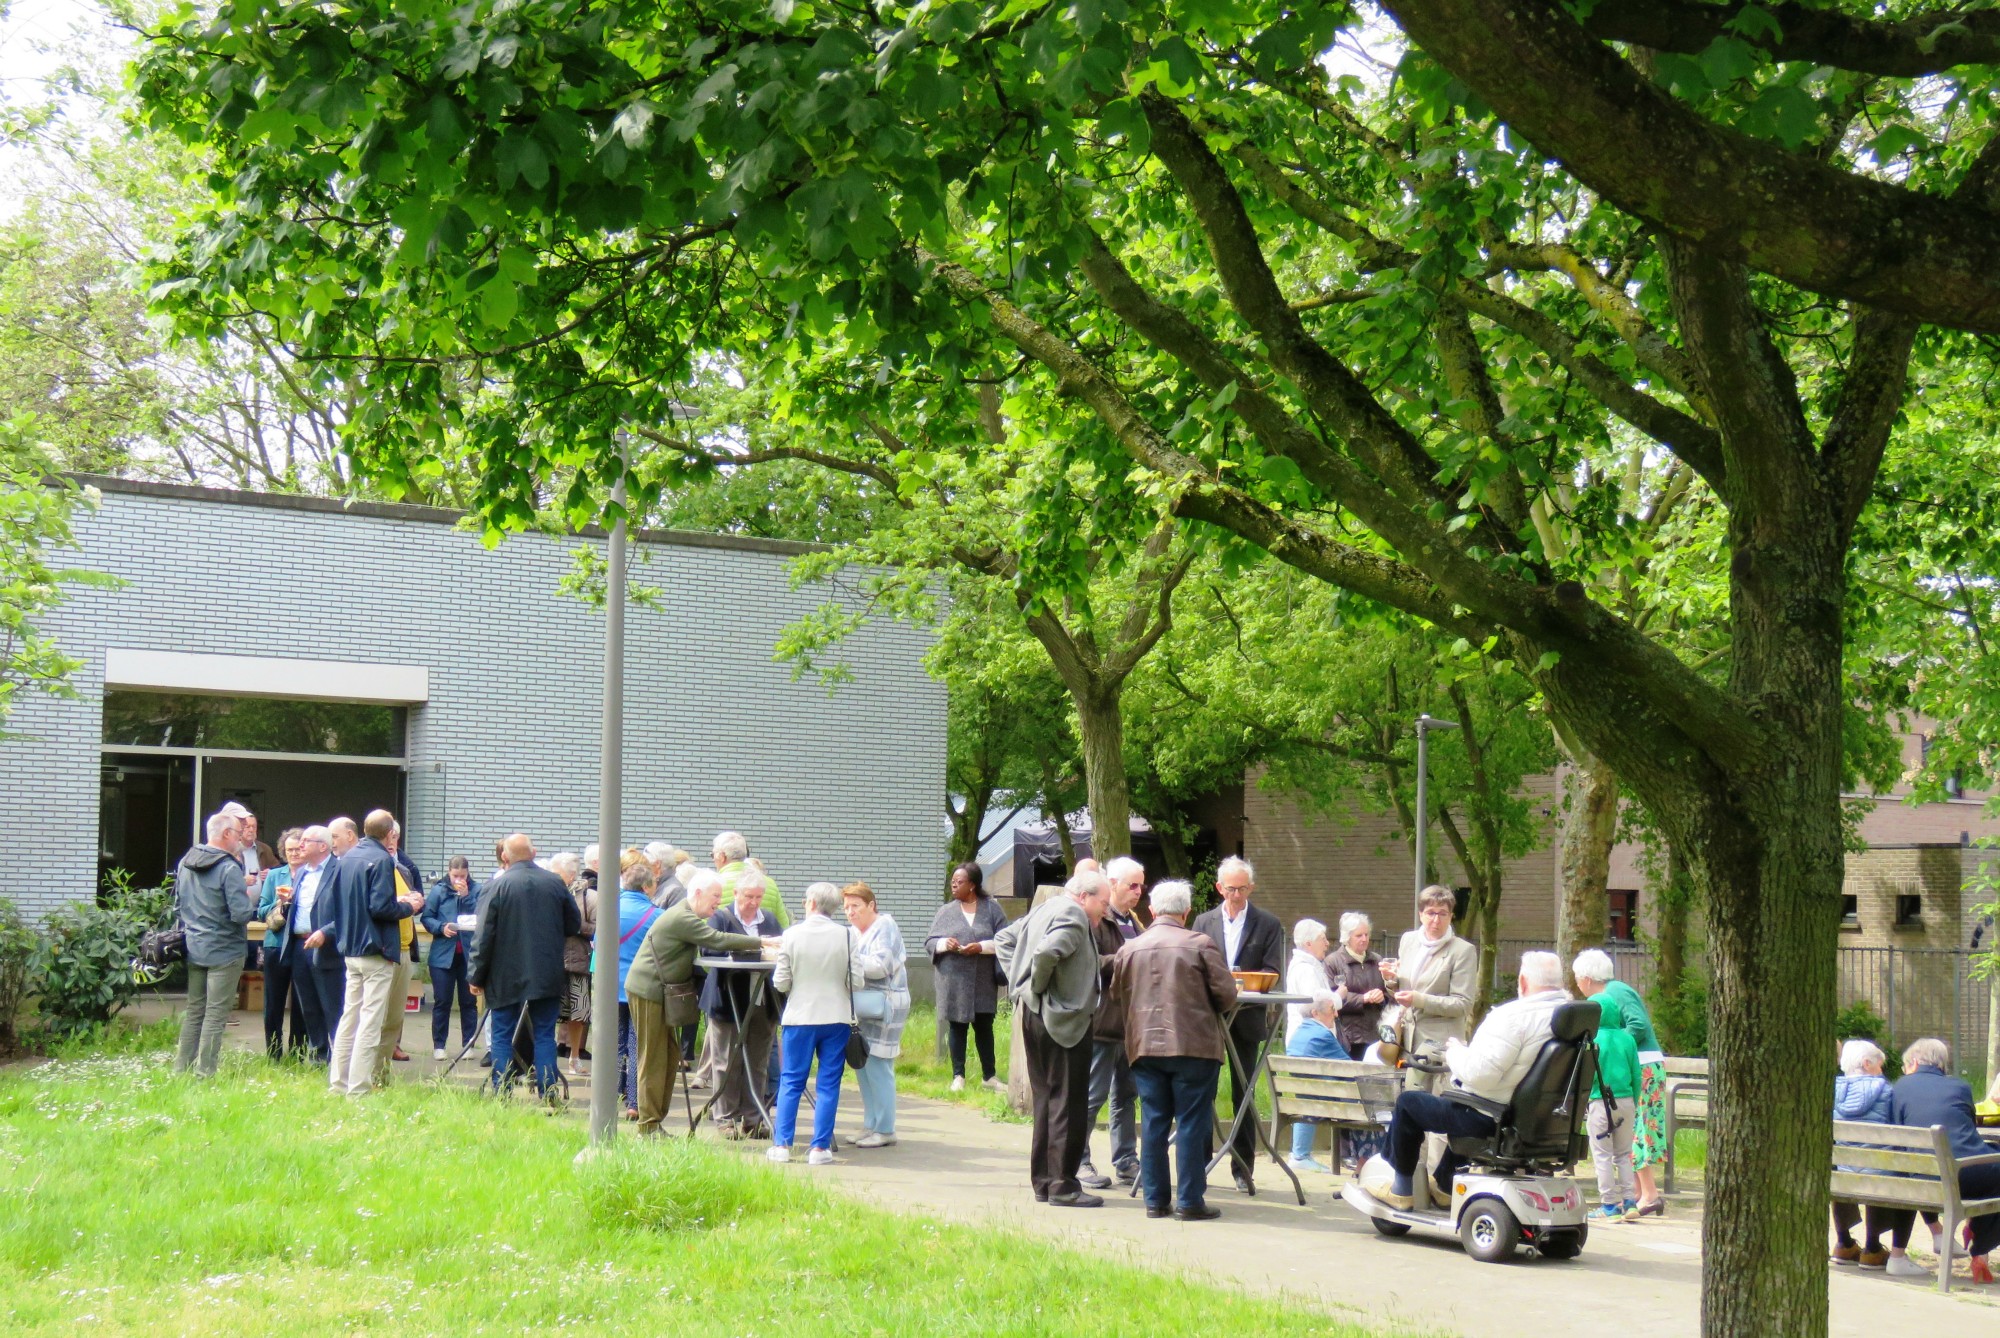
pixel 366 916
pixel 317 971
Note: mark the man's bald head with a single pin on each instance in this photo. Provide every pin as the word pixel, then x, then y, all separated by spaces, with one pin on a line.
pixel 379 824
pixel 519 848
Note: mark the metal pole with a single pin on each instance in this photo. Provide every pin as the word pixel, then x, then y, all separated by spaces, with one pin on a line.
pixel 611 782
pixel 1423 819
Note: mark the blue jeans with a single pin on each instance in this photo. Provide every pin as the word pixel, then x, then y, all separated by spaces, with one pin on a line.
pixel 542 1020
pixel 1176 1094
pixel 829 1041
pixel 1111 1080
pixel 447 981
pixel 877 1080
pixel 1420 1113
pixel 628 1058
pixel 1302 1139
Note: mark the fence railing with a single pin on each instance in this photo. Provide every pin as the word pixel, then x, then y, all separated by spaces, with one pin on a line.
pixel 1915 991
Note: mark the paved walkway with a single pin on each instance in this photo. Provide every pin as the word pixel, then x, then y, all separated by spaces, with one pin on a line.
pixel 1633 1281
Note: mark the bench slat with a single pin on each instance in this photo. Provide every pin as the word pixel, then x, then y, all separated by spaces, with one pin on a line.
pixel 1887 1159
pixel 1343 1088
pixel 1336 1112
pixel 1887 1189
pixel 1685 1068
pixel 1884 1135
pixel 1322 1068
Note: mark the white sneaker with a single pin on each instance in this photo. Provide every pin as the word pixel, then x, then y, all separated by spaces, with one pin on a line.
pixel 871 1139
pixel 958 1084
pixel 1306 1164
pixel 994 1085
pixel 1902 1266
pixel 777 1153
pixel 820 1157
pixel 437 1054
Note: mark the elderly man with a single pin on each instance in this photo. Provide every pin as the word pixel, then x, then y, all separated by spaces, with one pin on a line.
pixel 318 973
pixel 517 957
pixel 1110 1073
pixel 1490 1067
pixel 731 855
pixel 1050 956
pixel 367 918
pixel 726 997
pixel 1251 939
pixel 660 988
pixel 1171 986
pixel 214 905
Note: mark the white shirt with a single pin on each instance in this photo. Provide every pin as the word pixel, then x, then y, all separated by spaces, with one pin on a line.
pixel 305 894
pixel 1406 970
pixel 750 923
pixel 1232 932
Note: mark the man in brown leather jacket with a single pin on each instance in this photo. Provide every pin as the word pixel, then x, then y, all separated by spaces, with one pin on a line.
pixel 1170 985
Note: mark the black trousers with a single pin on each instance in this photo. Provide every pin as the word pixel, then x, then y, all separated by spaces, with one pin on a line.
pixel 982 1035
pixel 279 1000
pixel 1420 1113
pixel 332 995
pixel 1059 1078
pixel 1246 1034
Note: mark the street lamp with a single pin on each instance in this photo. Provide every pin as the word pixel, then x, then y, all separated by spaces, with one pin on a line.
pixel 611 785
pixel 1425 724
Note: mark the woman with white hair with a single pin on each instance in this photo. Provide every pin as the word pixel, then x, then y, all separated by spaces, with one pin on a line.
pixel 1357 971
pixel 819 968
pixel 1306 973
pixel 1862 1095
pixel 1595 977
pixel 1314 1039
pixel 1927 1094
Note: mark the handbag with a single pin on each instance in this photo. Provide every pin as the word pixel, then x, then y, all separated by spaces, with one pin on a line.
pixel 870 1005
pixel 683 1003
pixel 857 1044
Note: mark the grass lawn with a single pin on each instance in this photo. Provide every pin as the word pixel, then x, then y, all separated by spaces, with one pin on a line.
pixel 139 1201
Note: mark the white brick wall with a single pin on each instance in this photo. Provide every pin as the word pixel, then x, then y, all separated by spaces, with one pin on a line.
pixel 717 735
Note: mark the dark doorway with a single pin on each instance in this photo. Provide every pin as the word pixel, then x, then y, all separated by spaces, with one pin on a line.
pixel 148 810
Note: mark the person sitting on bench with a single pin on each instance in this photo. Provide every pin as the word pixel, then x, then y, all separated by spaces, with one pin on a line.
pixel 1490 1067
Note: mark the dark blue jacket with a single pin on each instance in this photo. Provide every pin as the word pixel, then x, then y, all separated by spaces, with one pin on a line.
pixel 1931 1096
pixel 713 1001
pixel 327 956
pixel 442 906
pixel 366 910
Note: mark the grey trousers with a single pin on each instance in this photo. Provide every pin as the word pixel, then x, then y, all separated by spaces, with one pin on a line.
pixel 737 1067
pixel 211 996
pixel 1111 1080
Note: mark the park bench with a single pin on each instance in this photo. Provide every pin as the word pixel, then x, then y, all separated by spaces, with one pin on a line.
pixel 1319 1089
pixel 1925 1177
pixel 1686 1105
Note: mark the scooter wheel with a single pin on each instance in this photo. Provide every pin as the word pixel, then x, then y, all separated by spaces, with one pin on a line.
pixel 1388 1228
pixel 1489 1231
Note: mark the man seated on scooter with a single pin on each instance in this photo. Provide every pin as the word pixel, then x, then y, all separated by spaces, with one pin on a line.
pixel 1491 1066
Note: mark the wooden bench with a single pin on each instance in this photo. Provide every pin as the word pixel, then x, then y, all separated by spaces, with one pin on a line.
pixel 1319 1089
pixel 1925 1176
pixel 1686 1105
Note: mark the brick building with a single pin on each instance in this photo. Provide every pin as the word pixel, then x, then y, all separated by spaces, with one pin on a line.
pixel 313 658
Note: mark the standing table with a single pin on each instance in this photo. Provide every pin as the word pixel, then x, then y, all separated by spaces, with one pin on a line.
pixel 1260 1068
pixel 760 972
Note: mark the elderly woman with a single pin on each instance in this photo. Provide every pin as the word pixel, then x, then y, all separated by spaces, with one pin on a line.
pixel 574 1014
pixel 960 943
pixel 1927 1094
pixel 1435 976
pixel 1357 971
pixel 819 968
pixel 1861 1095
pixel 882 965
pixel 1314 1038
pixel 1306 973
pixel 274 904
pixel 1594 977
pixel 636 913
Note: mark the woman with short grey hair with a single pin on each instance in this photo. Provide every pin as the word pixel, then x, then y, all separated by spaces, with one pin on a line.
pixel 882 962
pixel 819 968
pixel 1358 972
pixel 1306 973
pixel 1927 1095
pixel 1595 975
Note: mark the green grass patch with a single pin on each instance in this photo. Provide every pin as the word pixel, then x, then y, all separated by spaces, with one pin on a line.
pixel 143 1201
pixel 1691 1151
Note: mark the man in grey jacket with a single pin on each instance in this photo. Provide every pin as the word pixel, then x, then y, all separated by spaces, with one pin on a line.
pixel 1050 955
pixel 214 906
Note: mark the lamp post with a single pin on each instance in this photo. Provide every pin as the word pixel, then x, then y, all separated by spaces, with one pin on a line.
pixel 611 784
pixel 1425 724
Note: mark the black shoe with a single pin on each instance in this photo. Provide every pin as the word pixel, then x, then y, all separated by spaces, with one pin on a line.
pixel 1243 1185
pixel 485 1061
pixel 1041 1196
pixel 1202 1214
pixel 1079 1199
pixel 1088 1177
pixel 1151 1211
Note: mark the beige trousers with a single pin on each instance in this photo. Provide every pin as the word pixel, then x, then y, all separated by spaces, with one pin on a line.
pixel 369 980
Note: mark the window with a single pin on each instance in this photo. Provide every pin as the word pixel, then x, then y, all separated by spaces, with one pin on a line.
pixel 261 724
pixel 1909 910
pixel 1850 912
pixel 1623 907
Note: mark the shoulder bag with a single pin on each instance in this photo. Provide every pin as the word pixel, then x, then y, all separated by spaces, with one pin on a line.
pixel 857 1045
pixel 870 1004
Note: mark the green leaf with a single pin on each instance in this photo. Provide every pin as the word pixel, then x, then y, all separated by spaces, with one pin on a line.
pixel 497 303
pixel 1727 60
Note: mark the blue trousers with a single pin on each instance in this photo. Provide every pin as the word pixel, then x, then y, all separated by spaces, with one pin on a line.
pixel 877 1080
pixel 542 1020
pixel 829 1041
pixel 447 981
pixel 1177 1096
pixel 628 1059
pixel 1420 1113
pixel 329 986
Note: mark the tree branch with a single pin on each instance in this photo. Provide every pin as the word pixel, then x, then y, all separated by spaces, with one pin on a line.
pixel 1908 48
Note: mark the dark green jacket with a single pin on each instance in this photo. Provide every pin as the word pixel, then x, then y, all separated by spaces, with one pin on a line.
pixel 667 956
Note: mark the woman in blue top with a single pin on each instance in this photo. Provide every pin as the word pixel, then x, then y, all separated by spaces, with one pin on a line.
pixel 452 896
pixel 636 913
pixel 1316 1037
pixel 274 904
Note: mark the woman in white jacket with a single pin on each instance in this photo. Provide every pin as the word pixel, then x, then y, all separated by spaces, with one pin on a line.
pixel 819 968
pixel 1306 973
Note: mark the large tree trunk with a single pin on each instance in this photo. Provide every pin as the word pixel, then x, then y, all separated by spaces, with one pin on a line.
pixel 1676 899
pixel 1590 825
pixel 1102 726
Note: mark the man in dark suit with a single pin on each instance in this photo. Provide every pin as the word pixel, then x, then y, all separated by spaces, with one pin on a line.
pixel 1251 939
pixel 517 958
pixel 317 970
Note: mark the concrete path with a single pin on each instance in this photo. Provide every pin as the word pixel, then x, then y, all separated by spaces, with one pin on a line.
pixel 1633 1281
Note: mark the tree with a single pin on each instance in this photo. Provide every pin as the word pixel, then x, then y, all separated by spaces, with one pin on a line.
pixel 35 509
pixel 1358 322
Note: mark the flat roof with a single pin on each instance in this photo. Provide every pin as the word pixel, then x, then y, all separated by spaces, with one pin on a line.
pixel 428 515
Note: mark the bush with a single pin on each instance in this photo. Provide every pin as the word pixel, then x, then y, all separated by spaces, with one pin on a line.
pixel 17 971
pixel 1681 1015
pixel 1859 1020
pixel 84 963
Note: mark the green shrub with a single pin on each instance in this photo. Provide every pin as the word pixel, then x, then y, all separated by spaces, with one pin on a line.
pixel 1681 1015
pixel 1860 1020
pixel 84 964
pixel 17 971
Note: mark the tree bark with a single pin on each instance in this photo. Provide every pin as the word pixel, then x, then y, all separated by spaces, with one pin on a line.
pixel 1102 726
pixel 1590 825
